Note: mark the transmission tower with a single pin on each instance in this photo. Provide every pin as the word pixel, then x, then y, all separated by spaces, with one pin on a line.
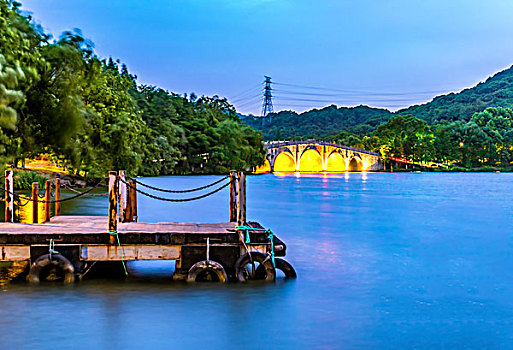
pixel 267 107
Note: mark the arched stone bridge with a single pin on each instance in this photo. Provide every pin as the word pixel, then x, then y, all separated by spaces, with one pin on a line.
pixel 318 156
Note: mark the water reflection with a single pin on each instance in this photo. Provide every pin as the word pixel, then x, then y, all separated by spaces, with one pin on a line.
pixel 24 210
pixel 11 270
pixel 384 261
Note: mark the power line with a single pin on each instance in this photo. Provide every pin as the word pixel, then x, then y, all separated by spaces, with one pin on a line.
pixel 259 96
pixel 344 100
pixel 353 94
pixel 248 103
pixel 346 91
pixel 259 87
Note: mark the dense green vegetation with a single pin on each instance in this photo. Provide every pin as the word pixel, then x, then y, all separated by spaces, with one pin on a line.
pixel 320 123
pixel 485 140
pixel 57 97
pixel 471 129
pixel 496 91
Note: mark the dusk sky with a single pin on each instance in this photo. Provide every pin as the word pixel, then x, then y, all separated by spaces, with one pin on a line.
pixel 384 53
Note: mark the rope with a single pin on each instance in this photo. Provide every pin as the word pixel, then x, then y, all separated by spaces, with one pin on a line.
pixel 181 191
pixel 270 236
pixel 88 194
pixel 175 200
pixel 54 201
pixel 88 269
pixel 19 201
pixel 51 249
pixel 247 250
pixel 116 233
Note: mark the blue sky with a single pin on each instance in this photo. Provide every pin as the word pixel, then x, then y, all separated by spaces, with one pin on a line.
pixel 385 53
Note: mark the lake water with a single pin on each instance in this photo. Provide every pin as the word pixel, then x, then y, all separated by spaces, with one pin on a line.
pixel 404 260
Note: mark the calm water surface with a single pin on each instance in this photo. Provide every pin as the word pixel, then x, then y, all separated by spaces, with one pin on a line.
pixel 413 260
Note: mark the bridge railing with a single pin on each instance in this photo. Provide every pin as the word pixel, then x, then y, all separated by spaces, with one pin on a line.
pixel 273 144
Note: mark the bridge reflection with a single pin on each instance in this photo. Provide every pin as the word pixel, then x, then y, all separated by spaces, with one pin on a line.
pixel 317 156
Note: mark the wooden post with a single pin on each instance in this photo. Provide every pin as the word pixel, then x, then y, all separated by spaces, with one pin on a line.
pixel 48 198
pixel 9 199
pixel 113 202
pixel 122 195
pixel 242 199
pixel 233 196
pixel 133 201
pixel 128 210
pixel 57 197
pixel 35 198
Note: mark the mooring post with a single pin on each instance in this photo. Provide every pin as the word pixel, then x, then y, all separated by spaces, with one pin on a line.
pixel 242 199
pixel 113 202
pixel 133 201
pixel 57 197
pixel 233 196
pixel 48 198
pixel 128 210
pixel 9 200
pixel 122 195
pixel 35 202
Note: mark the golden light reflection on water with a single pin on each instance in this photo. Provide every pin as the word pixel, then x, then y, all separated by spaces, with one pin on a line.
pixel 24 212
pixel 9 270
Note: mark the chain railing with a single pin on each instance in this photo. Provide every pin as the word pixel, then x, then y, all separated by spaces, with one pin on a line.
pixel 122 193
pixel 179 199
pixel 30 199
pixel 180 191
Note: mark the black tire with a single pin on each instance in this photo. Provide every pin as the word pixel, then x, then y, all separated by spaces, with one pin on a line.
pixel 57 260
pixel 207 268
pixel 268 273
pixel 280 264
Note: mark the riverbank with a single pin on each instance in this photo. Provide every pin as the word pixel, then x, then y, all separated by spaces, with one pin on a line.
pixel 455 169
pixel 24 177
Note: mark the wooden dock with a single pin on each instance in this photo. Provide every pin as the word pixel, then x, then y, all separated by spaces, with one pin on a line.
pixel 202 251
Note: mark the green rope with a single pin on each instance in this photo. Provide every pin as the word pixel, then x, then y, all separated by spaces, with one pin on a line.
pixel 271 238
pixel 51 249
pixel 267 230
pixel 115 233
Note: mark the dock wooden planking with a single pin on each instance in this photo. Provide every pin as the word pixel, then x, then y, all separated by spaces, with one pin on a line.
pixel 93 230
pixel 99 225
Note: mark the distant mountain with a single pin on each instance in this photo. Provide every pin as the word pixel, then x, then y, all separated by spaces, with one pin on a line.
pixel 496 91
pixel 319 123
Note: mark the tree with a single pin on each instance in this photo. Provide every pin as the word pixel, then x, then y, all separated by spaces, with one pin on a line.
pixel 9 96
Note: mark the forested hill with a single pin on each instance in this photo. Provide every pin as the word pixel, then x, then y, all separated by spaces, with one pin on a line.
pixel 496 91
pixel 319 123
pixel 60 101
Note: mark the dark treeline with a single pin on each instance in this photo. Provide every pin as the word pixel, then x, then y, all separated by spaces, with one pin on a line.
pixel 57 97
pixel 485 140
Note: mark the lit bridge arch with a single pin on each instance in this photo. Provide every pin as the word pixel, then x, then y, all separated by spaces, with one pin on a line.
pixel 317 156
